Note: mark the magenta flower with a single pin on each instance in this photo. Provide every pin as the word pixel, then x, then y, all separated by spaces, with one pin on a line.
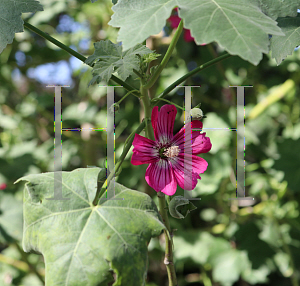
pixel 174 20
pixel 165 156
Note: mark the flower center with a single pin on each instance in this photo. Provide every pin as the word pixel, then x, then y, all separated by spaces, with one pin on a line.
pixel 169 152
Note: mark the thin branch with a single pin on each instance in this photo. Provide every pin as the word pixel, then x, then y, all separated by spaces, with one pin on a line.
pixel 102 188
pixel 166 58
pixel 74 53
pixel 191 73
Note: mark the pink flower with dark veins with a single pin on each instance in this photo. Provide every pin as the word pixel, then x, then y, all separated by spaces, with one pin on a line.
pixel 165 156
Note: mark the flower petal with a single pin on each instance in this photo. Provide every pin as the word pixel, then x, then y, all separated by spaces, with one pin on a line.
pixel 194 166
pixel 200 143
pixel 174 20
pixel 163 122
pixel 144 151
pixel 179 136
pixel 187 36
pixel 160 177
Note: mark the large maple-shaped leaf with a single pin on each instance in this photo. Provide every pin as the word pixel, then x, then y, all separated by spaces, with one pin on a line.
pixel 278 8
pixel 83 244
pixel 240 28
pixel 110 58
pixel 10 18
pixel 281 46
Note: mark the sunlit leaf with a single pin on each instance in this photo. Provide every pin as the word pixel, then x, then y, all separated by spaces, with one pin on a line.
pixel 228 266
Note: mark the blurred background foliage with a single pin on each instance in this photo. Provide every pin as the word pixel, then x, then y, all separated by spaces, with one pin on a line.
pixel 219 243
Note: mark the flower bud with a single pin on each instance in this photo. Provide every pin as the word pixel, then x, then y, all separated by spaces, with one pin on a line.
pixel 196 113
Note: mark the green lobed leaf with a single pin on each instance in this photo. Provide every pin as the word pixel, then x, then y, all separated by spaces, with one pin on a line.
pixel 148 58
pixel 10 18
pixel 278 8
pixel 81 243
pixel 282 46
pixel 109 58
pixel 240 28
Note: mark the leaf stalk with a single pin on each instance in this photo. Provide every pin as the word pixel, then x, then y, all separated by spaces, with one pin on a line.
pixel 191 73
pixel 74 53
pixel 168 261
pixel 102 188
pixel 147 108
pixel 166 58
pixel 168 101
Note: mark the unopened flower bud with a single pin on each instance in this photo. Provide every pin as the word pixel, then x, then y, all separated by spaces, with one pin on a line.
pixel 196 113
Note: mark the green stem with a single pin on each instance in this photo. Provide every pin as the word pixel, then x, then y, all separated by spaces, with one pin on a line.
pixel 54 41
pixel 166 57
pixel 191 73
pixel 147 109
pixel 157 99
pixel 137 73
pixel 205 279
pixel 101 188
pixel 129 92
pixel 127 86
pixel 73 53
pixel 168 261
pixel 221 68
pixel 21 265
